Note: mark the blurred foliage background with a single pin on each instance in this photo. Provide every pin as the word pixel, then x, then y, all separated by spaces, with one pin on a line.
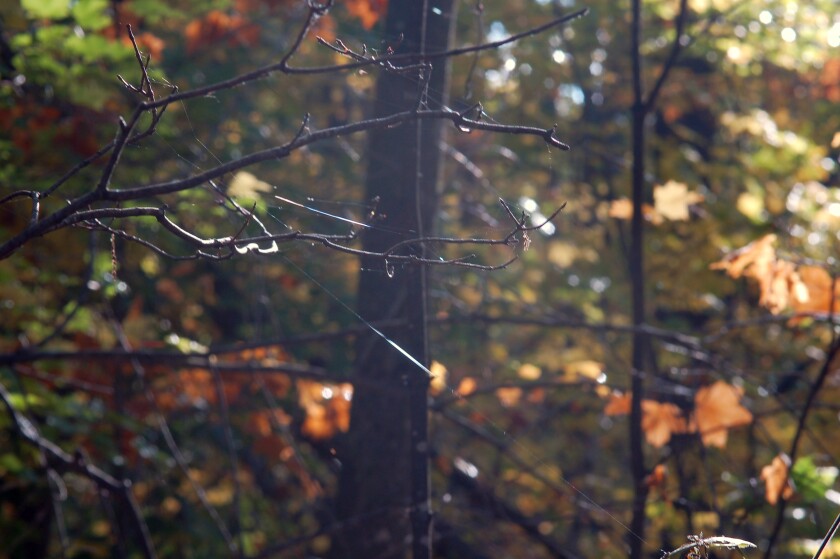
pixel 528 410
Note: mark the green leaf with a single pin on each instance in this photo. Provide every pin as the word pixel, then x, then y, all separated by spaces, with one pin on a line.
pixel 50 9
pixel 11 463
pixel 812 482
pixel 91 14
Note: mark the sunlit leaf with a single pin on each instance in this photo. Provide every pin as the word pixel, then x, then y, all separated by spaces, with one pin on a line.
pixel 438 382
pixel 91 14
pixel 776 482
pixel 817 291
pixel 528 371
pixel 246 185
pixel 509 396
pixel 49 9
pixel 717 409
pixel 467 386
pixel 811 481
pixel 659 421
pixel 585 369
pixel 618 404
pixel 673 199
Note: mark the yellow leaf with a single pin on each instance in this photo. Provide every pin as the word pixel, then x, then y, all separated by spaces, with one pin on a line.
pixel 529 372
pixel 438 383
pixel 751 205
pixel 246 185
pixel 585 369
pixel 673 199
pixel 562 254
pixel 220 495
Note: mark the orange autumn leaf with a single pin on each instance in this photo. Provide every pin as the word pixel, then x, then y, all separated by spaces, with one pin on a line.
pixel 657 478
pixel 509 396
pixel 325 28
pixel 317 425
pixel 819 291
pixel 327 408
pixel 780 282
pixel 757 257
pixel 262 422
pixel 619 404
pixel 717 409
pixel 778 286
pixel 197 386
pixel 659 421
pixel 368 11
pixel 776 481
pixel 467 386
pixel 149 44
pixel 216 26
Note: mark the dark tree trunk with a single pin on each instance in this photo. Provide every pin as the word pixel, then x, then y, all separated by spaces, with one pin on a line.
pixel 383 500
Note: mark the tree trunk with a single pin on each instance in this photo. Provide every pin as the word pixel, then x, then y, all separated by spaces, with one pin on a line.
pixel 383 500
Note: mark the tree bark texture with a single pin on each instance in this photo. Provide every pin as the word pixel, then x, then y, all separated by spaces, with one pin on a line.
pixel 383 500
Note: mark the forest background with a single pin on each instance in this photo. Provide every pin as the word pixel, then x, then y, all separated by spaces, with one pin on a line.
pixel 184 323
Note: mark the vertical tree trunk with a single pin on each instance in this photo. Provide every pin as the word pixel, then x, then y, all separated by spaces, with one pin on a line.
pixel 383 499
pixel 637 279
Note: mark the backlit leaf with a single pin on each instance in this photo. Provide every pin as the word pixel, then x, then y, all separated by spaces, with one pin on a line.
pixel 673 199
pixel 50 9
pixel 246 185
pixel 717 409
pixel 659 421
pixel 438 382
pixel 776 482
pixel 528 371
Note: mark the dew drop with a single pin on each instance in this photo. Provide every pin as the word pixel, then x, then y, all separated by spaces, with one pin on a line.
pixel 389 269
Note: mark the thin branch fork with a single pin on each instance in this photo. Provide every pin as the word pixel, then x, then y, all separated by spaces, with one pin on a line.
pixel 65 216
